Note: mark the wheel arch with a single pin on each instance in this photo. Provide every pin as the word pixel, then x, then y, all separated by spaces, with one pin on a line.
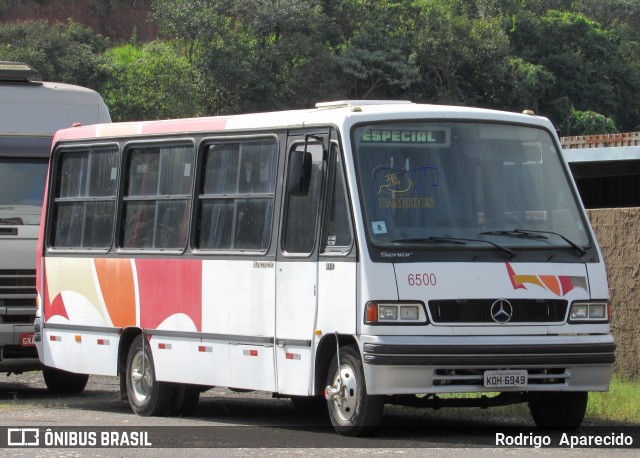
pixel 126 338
pixel 324 353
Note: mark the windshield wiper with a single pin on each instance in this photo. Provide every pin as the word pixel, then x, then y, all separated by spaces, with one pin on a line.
pixel 456 240
pixel 533 234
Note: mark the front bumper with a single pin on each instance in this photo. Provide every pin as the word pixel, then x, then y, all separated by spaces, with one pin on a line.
pixel 450 364
pixel 15 357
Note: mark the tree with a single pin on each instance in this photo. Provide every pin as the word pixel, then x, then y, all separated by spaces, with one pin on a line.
pixel 463 58
pixel 376 64
pixel 588 66
pixel 251 54
pixel 150 82
pixel 69 53
pixel 188 22
pixel 377 59
pixel 589 123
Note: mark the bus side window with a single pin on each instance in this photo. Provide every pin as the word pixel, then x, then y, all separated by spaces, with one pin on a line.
pixel 339 233
pixel 302 210
pixel 157 201
pixel 84 199
pixel 236 196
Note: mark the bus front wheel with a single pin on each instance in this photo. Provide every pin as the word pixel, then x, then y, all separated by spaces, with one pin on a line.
pixel 352 411
pixel 147 396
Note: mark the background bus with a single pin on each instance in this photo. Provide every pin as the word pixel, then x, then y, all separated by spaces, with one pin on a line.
pixel 30 113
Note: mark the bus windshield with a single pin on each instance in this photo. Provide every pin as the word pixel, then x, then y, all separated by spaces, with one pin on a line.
pixel 22 181
pixel 465 184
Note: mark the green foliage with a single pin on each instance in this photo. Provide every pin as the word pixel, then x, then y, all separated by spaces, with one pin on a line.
pixel 377 59
pixel 149 82
pixel 68 53
pixel 589 123
pixel 188 22
pixel 589 68
pixel 574 61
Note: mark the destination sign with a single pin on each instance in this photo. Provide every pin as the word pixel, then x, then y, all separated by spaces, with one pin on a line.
pixel 431 137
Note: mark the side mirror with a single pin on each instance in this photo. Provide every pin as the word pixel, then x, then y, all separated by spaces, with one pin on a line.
pixel 299 175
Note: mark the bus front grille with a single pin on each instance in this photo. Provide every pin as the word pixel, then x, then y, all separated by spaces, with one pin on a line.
pixel 484 311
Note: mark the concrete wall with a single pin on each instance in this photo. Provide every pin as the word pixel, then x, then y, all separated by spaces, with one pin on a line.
pixel 618 232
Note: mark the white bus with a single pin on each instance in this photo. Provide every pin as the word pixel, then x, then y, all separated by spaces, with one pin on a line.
pixel 30 112
pixel 351 255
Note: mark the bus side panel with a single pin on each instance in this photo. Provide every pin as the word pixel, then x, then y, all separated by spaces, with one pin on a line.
pixel 337 311
pixel 238 298
pixel 337 297
pixel 598 285
pixel 171 310
pixel 84 352
pixel 376 282
pixel 294 369
pixel 90 292
pixel 296 313
pixel 185 360
pixel 79 333
pixel 252 367
pixel 238 305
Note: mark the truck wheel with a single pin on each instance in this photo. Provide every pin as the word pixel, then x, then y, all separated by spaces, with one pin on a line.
pixel 147 396
pixel 352 411
pixel 63 382
pixel 562 411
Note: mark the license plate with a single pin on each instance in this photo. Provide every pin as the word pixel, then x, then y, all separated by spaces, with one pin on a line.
pixel 26 340
pixel 503 379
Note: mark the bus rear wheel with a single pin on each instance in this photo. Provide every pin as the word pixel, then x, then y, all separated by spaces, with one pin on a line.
pixel 563 411
pixel 185 399
pixel 352 411
pixel 147 396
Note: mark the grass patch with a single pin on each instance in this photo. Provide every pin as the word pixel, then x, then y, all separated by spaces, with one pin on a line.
pixel 621 404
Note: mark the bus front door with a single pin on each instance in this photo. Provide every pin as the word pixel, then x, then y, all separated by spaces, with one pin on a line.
pixel 297 264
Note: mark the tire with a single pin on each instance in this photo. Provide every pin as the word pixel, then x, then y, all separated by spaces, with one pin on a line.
pixel 147 397
pixel 352 411
pixel 63 382
pixel 185 399
pixel 563 411
pixel 309 403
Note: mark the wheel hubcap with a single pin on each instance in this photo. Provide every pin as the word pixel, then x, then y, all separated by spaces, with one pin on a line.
pixel 141 381
pixel 344 393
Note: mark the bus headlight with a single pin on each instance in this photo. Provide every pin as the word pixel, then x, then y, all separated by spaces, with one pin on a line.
pixel 588 312
pixel 386 313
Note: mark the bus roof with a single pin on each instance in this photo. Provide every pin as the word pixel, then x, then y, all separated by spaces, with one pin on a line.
pixel 41 110
pixel 345 113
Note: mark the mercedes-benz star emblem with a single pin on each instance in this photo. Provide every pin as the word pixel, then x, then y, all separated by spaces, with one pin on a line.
pixel 501 311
